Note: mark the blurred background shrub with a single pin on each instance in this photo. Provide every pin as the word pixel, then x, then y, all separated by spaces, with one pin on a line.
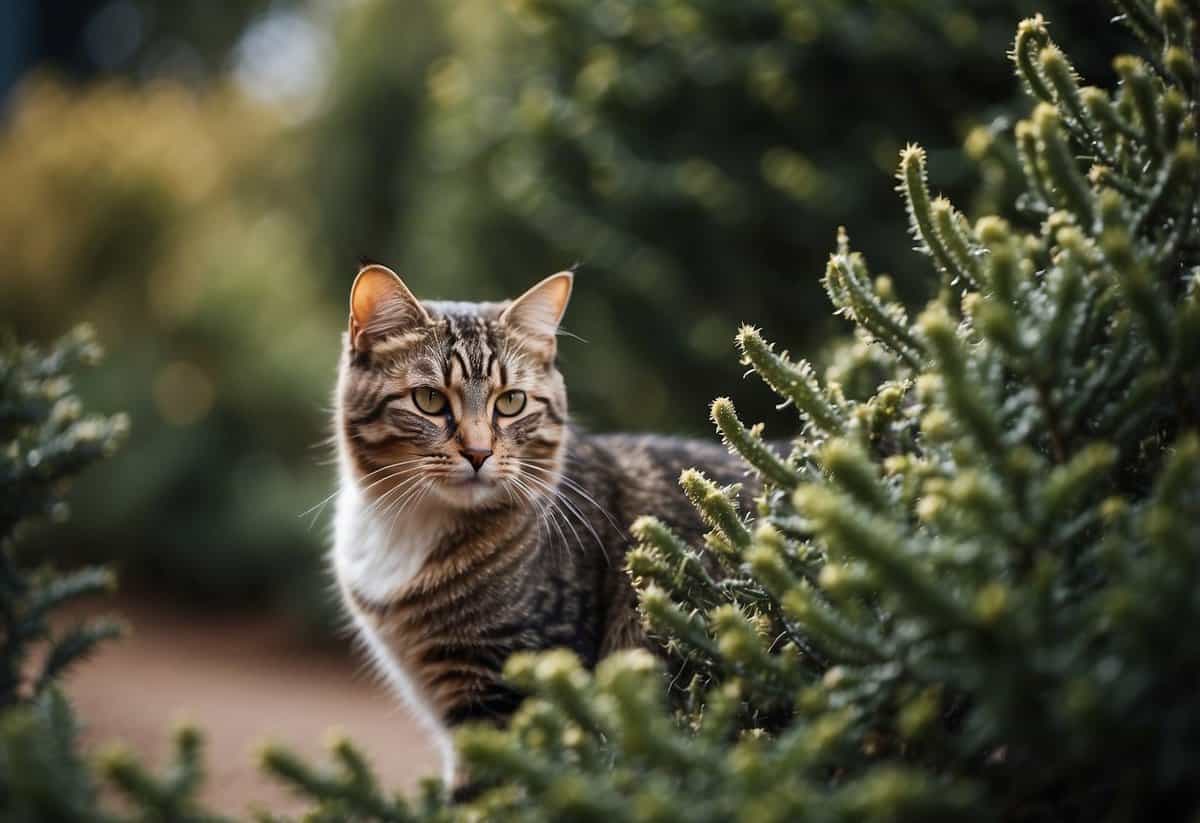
pixel 173 220
pixel 198 181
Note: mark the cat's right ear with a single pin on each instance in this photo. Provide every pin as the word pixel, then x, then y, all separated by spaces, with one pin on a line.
pixel 381 304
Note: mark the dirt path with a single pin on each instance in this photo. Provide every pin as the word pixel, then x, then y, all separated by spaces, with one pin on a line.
pixel 244 681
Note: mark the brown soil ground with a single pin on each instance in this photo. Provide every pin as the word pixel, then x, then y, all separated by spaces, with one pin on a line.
pixel 244 680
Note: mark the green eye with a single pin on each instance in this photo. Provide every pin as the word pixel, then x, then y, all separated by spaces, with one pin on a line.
pixel 510 403
pixel 430 401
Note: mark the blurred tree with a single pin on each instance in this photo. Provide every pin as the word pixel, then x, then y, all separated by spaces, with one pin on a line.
pixel 693 156
pixel 367 161
pixel 171 218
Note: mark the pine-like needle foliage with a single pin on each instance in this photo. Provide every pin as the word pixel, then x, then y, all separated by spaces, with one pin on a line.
pixel 965 593
pixel 45 440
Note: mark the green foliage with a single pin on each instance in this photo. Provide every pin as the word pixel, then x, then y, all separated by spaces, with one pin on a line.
pixel 365 160
pixel 165 216
pixel 695 157
pixel 170 797
pixel 42 776
pixel 956 596
pixel 45 440
pixel 350 791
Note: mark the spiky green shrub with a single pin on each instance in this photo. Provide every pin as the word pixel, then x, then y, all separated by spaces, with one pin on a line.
pixel 966 592
pixel 45 440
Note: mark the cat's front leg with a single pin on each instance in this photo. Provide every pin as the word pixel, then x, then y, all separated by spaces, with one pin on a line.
pixel 493 705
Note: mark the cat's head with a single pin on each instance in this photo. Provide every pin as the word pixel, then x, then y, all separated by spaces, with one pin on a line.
pixel 460 404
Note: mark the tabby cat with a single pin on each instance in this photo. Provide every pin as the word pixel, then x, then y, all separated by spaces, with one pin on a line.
pixel 472 521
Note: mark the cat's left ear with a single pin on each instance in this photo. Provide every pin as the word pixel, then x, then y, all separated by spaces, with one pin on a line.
pixel 537 312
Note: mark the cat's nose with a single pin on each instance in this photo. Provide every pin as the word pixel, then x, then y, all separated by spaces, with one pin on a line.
pixel 476 457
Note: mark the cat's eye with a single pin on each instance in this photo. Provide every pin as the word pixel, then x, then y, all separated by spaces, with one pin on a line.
pixel 430 401
pixel 510 403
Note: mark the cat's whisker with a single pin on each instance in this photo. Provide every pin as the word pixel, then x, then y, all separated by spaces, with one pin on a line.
pixel 567 520
pixel 404 477
pixel 573 509
pixel 524 495
pixel 564 333
pixel 550 509
pixel 553 462
pixel 544 511
pixel 389 467
pixel 402 489
pixel 552 499
pixel 317 508
pixel 428 488
pixel 399 472
pixel 558 495
pixel 422 487
pixel 558 517
pixel 575 487
pixel 402 502
pixel 395 493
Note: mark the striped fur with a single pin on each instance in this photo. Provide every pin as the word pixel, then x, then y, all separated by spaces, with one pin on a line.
pixel 445 572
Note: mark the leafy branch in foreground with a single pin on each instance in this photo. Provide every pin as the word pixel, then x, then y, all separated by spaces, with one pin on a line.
pixel 45 440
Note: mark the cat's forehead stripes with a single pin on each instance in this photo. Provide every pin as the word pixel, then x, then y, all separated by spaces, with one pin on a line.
pixel 466 345
pixel 473 346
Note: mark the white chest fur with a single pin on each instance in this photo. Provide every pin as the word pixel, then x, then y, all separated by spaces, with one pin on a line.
pixel 376 552
pixel 377 556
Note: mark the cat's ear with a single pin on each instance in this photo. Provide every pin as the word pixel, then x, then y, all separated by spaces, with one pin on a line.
pixel 537 312
pixel 381 304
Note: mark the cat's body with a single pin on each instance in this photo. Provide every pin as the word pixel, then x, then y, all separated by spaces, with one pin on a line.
pixel 448 565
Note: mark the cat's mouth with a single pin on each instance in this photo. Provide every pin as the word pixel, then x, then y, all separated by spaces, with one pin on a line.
pixel 470 490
